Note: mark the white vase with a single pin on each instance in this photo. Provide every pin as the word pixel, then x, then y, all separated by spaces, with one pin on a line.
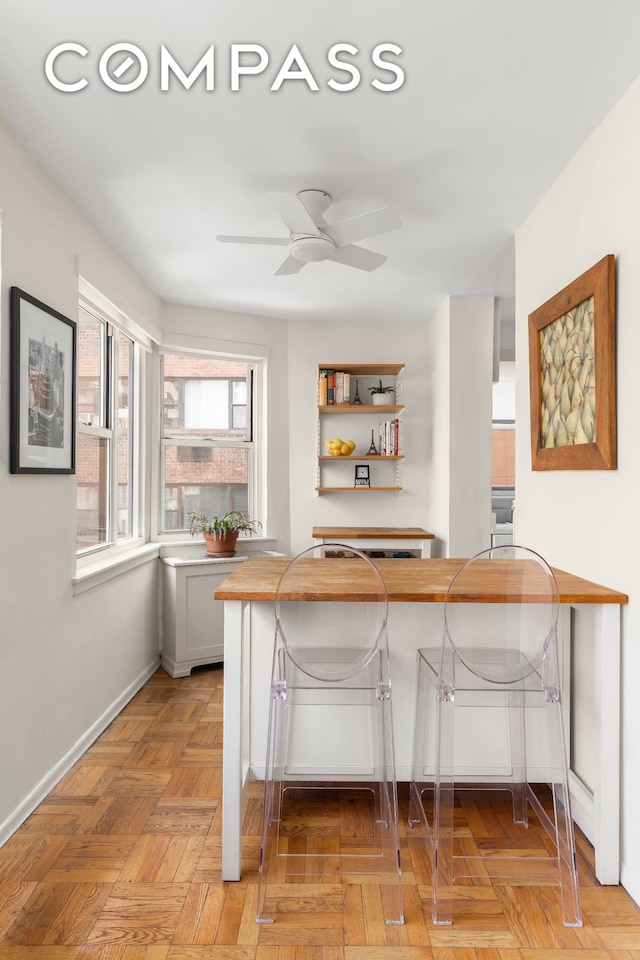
pixel 380 399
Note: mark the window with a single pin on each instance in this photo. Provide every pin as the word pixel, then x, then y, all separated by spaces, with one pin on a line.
pixel 106 461
pixel 208 458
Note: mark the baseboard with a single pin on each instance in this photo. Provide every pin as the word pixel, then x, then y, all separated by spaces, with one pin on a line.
pixel 48 782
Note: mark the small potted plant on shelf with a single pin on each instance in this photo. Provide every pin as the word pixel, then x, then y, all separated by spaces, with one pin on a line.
pixel 381 395
pixel 220 533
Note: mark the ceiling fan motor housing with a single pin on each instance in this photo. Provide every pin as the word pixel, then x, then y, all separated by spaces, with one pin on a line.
pixel 312 249
pixel 317 202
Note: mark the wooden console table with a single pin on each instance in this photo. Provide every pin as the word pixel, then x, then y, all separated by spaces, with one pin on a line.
pixel 413 540
pixel 248 596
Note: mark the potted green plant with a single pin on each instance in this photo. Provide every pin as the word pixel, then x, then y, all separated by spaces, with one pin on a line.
pixel 381 395
pixel 220 533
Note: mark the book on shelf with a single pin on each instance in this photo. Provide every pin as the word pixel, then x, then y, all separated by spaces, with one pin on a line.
pixel 334 387
pixel 389 441
pixel 326 387
pixel 331 387
pixel 322 388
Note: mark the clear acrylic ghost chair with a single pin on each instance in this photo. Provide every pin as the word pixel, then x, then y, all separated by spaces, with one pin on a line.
pixel 330 797
pixel 499 650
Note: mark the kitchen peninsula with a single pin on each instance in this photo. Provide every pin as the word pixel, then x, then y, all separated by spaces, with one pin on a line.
pixel 416 590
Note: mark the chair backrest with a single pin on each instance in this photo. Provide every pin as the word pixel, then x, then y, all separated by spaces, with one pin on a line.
pixel 331 640
pixel 501 612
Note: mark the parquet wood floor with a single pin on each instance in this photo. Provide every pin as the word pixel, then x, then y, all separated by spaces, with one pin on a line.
pixel 122 862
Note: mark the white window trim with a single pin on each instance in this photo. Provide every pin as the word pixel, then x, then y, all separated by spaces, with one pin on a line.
pixel 96 301
pixel 116 555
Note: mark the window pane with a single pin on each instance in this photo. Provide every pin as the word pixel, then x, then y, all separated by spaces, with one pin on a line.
pixel 91 470
pixel 90 333
pixel 205 397
pixel 213 486
pixel 239 391
pixel 239 408
pixel 239 417
pixel 206 404
pixel 125 500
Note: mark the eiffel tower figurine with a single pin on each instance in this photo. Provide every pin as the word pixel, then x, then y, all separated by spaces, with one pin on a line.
pixel 356 396
pixel 372 449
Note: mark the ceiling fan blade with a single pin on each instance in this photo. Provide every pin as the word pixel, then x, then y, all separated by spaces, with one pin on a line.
pixel 363 226
pixel 290 265
pixel 358 257
pixel 273 241
pixel 294 213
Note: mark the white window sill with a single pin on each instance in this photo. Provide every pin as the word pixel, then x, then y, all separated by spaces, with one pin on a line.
pixel 207 561
pixel 105 568
pixel 196 546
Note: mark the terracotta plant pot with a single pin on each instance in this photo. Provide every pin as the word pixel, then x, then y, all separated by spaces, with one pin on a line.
pixel 220 546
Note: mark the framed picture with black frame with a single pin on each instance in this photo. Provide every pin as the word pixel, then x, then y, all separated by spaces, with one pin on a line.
pixel 43 392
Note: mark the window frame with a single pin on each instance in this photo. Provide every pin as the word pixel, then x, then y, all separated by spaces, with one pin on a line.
pixel 253 444
pixel 114 326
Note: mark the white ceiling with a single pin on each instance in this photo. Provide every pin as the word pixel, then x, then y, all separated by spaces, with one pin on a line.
pixel 498 96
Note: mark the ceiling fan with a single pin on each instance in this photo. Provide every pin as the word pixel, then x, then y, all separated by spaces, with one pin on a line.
pixel 311 238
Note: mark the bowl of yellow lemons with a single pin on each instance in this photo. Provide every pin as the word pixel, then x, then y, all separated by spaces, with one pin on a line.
pixel 339 448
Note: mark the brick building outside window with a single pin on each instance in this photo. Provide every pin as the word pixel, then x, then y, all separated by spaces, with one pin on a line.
pixel 207 437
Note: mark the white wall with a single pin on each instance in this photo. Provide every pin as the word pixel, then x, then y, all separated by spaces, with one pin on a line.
pixel 589 521
pixel 504 392
pixel 64 660
pixel 437 423
pixel 460 365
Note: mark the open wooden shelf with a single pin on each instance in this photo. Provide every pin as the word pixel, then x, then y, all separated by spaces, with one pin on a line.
pixel 382 414
pixel 355 456
pixel 361 408
pixel 355 489
pixel 365 369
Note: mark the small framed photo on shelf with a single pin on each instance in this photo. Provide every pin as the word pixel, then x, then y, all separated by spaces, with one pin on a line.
pixel 43 359
pixel 362 475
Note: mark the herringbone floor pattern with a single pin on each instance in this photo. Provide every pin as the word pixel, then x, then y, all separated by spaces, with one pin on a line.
pixel 122 862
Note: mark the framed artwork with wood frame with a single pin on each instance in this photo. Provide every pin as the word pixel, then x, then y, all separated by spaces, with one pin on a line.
pixel 572 374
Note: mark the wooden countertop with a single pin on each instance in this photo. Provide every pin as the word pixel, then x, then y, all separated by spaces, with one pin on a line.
pixel 421 581
pixel 372 533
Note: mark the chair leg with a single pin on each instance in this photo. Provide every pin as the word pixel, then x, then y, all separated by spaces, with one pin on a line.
pixel 419 737
pixel 565 840
pixel 423 759
pixel 392 875
pixel 517 740
pixel 443 873
pixel 272 809
pixel 388 813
